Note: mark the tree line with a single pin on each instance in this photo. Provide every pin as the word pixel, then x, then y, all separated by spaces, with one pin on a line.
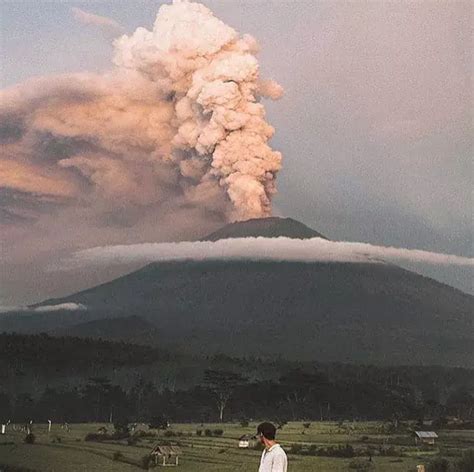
pixel 79 379
pixel 229 396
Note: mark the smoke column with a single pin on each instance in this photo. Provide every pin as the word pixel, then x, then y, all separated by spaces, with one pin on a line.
pixel 211 75
pixel 178 121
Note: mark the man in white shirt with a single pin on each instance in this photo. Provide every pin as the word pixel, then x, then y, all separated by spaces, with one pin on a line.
pixel 273 456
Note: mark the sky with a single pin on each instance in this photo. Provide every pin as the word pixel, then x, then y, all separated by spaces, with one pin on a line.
pixel 374 129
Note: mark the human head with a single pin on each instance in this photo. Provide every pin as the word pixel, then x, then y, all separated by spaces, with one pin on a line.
pixel 266 432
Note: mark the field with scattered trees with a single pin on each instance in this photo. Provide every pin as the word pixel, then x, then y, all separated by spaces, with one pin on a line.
pixel 311 446
pixel 110 403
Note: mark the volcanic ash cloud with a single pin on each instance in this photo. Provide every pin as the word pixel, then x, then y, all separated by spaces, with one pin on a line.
pixel 177 121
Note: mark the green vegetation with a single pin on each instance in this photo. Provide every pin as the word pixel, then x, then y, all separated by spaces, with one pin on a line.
pixel 83 380
pixel 119 400
pixel 50 353
pixel 221 453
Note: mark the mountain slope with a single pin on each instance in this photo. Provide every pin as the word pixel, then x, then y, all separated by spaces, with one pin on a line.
pixel 131 329
pixel 328 312
pixel 349 312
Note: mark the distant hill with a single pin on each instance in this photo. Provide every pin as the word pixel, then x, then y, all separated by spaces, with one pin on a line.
pixel 131 329
pixel 328 312
pixel 52 353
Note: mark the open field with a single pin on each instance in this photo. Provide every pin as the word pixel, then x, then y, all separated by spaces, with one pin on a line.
pixel 61 451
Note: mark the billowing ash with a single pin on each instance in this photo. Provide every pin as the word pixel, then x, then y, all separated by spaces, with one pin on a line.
pixel 178 121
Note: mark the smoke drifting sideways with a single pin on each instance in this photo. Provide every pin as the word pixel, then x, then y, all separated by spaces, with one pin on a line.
pixel 276 249
pixel 177 124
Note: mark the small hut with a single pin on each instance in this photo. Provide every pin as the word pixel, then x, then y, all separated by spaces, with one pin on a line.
pixel 425 437
pixel 246 441
pixel 166 456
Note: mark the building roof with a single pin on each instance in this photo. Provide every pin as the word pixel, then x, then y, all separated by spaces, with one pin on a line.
pixel 166 450
pixel 426 434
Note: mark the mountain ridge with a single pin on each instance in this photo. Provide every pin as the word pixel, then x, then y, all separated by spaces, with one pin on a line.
pixel 324 311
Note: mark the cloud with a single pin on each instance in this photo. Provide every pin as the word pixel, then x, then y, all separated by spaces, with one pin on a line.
pixel 278 249
pixel 71 306
pixel 61 306
pixel 108 25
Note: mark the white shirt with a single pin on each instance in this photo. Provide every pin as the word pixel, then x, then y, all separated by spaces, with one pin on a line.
pixel 273 460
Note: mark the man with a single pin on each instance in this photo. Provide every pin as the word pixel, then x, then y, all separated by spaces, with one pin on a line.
pixel 273 456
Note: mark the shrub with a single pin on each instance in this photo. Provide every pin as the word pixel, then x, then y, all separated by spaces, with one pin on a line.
pixel 30 438
pixel 132 440
pixel 117 456
pixel 95 436
pixel 364 438
pixel 99 437
pixel 466 464
pixel 439 423
pixel 159 422
pixel 339 451
pixel 12 468
pixel 419 425
pixel 258 446
pixel 207 432
pixel 296 449
pixel 244 423
pixel 169 434
pixel 121 426
pixel 361 465
pixel 281 424
pixel 438 465
pixel 144 434
pixel 313 450
pixel 198 432
pixel 218 432
pixel 390 451
pixel 306 425
pixel 146 462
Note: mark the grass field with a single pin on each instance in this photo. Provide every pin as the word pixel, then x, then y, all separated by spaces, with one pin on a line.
pixel 61 451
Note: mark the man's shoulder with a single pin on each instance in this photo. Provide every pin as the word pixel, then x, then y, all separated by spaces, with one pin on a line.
pixel 279 451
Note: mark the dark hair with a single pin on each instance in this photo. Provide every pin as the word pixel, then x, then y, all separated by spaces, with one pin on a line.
pixel 268 430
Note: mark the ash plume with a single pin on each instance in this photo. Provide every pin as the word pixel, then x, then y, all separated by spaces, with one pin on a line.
pixel 177 122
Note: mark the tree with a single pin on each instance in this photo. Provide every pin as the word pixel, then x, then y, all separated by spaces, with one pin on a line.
pixel 223 385
pixel 438 464
pixel 141 396
pixel 461 403
pixel 106 399
pixel 298 385
pixel 121 426
pixel 158 422
pixel 5 407
pixel 466 464
pixel 24 407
